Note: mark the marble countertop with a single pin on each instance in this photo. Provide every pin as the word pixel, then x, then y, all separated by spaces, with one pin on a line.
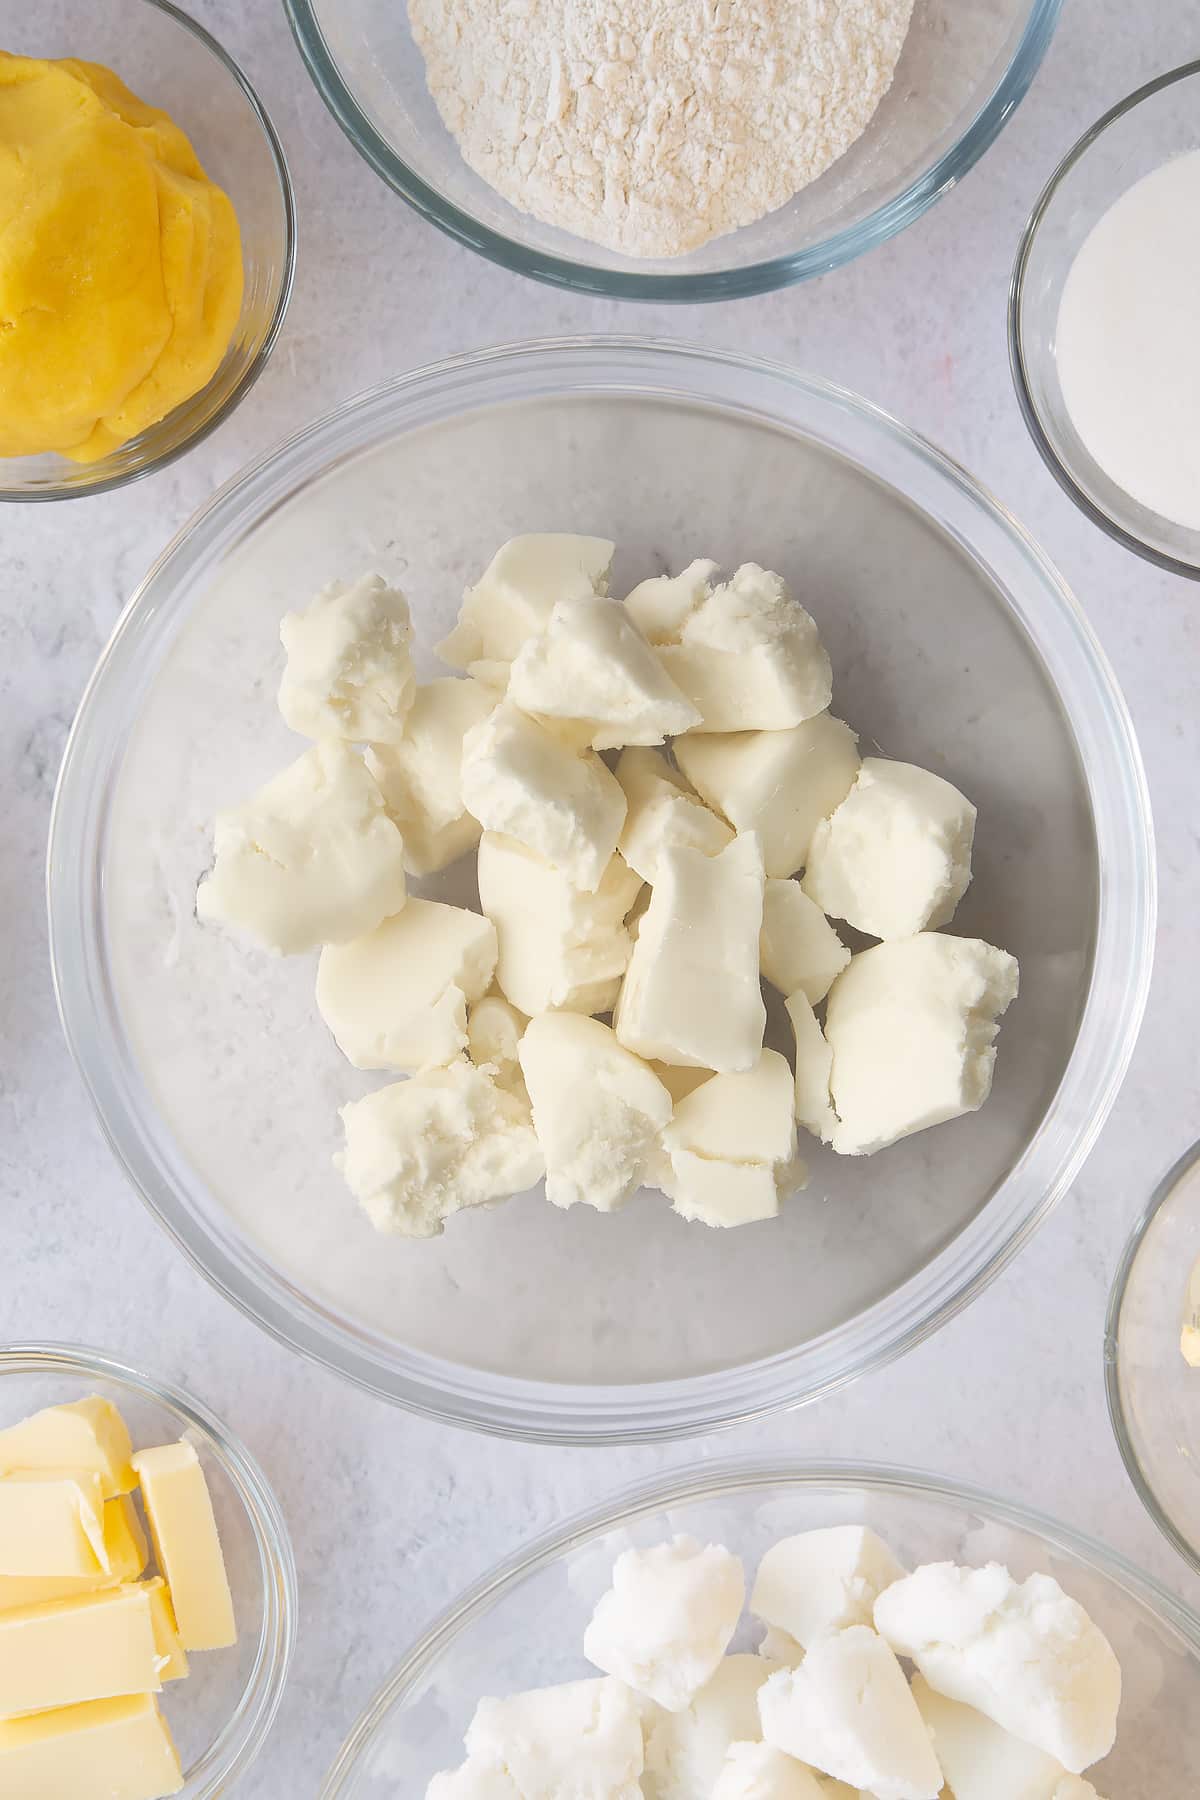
pixel 1010 1394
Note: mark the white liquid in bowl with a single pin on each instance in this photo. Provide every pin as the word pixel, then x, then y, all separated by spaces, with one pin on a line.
pixel 1128 341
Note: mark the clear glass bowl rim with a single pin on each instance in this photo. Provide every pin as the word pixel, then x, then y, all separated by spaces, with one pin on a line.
pixel 1018 361
pixel 1134 1466
pixel 542 1411
pixel 264 1691
pixel 723 284
pixel 254 368
pixel 714 1481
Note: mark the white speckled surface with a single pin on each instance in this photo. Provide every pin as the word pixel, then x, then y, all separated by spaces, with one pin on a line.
pixel 391 1515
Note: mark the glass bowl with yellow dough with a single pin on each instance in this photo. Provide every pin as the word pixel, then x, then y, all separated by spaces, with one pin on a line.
pixel 220 1716
pixel 150 242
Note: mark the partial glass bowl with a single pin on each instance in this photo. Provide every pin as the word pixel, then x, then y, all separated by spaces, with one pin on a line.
pixel 172 62
pixel 221 1715
pixel 954 645
pixel 522 1626
pixel 1136 137
pixel 965 67
pixel 1153 1395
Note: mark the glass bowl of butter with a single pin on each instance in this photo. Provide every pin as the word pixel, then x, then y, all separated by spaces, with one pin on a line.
pixel 523 1626
pixel 1152 1356
pixel 158 1663
pixel 956 647
pixel 149 278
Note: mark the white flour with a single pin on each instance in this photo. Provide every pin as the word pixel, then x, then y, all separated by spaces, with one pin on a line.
pixel 651 126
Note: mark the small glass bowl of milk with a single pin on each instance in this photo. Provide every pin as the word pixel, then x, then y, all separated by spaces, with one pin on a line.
pixel 1104 322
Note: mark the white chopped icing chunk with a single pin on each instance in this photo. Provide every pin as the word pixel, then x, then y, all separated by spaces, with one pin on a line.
pixel 895 857
pixel 1022 1653
pixel 782 784
pixel 912 1028
pixel 420 1150
pixel 397 998
pixel 312 858
pixel 598 1110
pixel 667 1619
pixel 349 668
pixel 519 779
pixel 847 1711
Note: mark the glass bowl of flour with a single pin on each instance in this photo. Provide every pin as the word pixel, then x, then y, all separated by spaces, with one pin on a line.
pixel 956 647
pixel 1103 322
pixel 668 149
pixel 523 1624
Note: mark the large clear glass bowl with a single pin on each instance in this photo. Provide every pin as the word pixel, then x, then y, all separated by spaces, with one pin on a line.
pixel 965 67
pixel 1153 1395
pixel 1141 133
pixel 172 62
pixel 522 1626
pixel 954 645
pixel 221 1715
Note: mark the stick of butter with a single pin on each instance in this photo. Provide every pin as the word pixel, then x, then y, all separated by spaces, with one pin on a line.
pixel 86 1434
pixel 91 1648
pixel 172 1657
pixel 125 1545
pixel 186 1544
pixel 119 1748
pixel 52 1523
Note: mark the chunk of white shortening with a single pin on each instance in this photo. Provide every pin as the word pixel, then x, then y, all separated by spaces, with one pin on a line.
pixel 895 858
pixel 666 1622
pixel 598 1110
pixel 519 779
pixel 685 1750
pixel 912 1027
pixel 582 1739
pixel 516 594
pixel 814 1068
pixel 847 1710
pixel 661 810
pixel 494 1031
pixel 474 1779
pixel 420 775
pixel 823 1581
pixel 781 784
pixel 397 998
pixel 732 1146
pixel 558 946
pixel 661 604
pixel 798 949
pixel 592 665
pixel 1022 1653
pixel 982 1762
pixel 349 667
pixel 312 858
pixel 425 1148
pixel 691 994
pixel 749 657
pixel 761 1772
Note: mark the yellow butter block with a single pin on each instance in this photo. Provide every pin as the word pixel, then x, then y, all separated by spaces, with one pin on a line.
pixel 68 1651
pixel 127 1550
pixel 52 1523
pixel 85 1434
pixel 172 1657
pixel 186 1543
pixel 120 1749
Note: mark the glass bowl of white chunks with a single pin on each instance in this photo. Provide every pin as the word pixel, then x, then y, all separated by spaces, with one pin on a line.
pixel 602 890
pixel 794 1632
